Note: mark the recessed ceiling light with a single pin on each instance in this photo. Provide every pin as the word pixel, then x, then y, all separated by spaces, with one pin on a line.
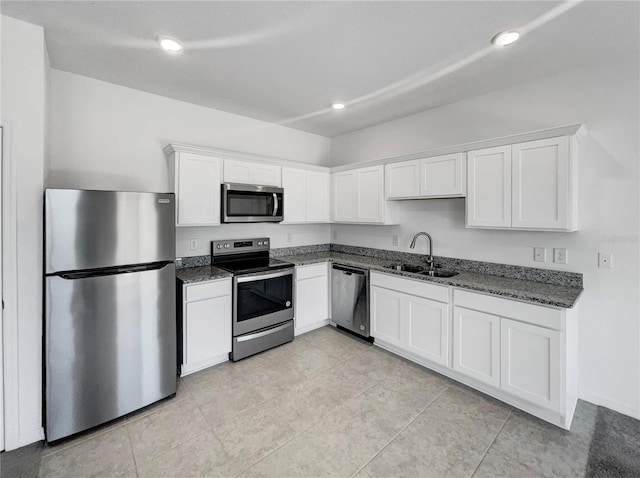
pixel 336 105
pixel 505 38
pixel 170 45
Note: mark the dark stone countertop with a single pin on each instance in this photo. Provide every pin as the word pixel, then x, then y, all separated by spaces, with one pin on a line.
pixel 534 292
pixel 190 275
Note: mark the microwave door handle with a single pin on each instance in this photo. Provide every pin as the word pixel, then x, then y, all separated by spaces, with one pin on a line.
pixel 275 204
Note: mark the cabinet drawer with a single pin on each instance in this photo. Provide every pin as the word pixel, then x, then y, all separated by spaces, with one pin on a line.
pixel 312 270
pixel 542 316
pixel 411 286
pixel 208 290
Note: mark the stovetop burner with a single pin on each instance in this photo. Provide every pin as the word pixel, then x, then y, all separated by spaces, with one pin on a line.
pixel 245 256
pixel 249 266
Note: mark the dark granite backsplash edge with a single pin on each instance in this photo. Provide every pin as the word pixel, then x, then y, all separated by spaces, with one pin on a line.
pixel 548 276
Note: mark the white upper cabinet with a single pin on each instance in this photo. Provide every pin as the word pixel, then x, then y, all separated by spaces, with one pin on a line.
pixel 540 184
pixel 318 188
pixel 197 188
pixel 344 196
pixel 306 196
pixel 403 179
pixel 443 176
pixel 358 197
pixel 489 187
pixel 435 177
pixel 528 186
pixel 246 172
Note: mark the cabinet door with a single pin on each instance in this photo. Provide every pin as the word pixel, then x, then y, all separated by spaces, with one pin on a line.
pixel 476 345
pixel 207 330
pixel 266 174
pixel 489 187
pixel 428 329
pixel 387 312
pixel 312 301
pixel 531 363
pixel 295 193
pixel 344 196
pixel 540 184
pixel 318 198
pixel 370 194
pixel 198 190
pixel 237 171
pixel 443 176
pixel 403 179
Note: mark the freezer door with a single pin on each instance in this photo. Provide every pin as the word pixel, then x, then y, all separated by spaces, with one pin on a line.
pixel 95 229
pixel 110 347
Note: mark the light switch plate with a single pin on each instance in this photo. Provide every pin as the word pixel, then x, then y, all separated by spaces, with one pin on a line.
pixel 560 255
pixel 395 240
pixel 605 261
pixel 539 254
pixel 193 244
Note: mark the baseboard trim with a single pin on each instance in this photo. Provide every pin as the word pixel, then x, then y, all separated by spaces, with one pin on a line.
pixel 608 403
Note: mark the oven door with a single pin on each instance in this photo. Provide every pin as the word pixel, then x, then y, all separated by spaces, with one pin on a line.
pixel 261 300
pixel 251 203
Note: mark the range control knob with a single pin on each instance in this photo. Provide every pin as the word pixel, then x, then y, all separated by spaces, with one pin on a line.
pixel 259 243
pixel 266 243
pixel 226 246
pixel 219 246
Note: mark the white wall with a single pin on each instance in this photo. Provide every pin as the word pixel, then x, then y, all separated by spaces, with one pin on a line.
pixel 106 136
pixel 24 62
pixel 606 99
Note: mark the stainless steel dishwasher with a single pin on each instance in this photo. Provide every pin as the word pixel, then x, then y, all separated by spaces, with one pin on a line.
pixel 350 298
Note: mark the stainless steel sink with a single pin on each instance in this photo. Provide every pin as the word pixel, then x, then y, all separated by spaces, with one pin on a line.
pixel 438 273
pixel 421 270
pixel 406 268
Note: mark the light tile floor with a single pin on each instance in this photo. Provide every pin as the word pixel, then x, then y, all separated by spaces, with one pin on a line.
pixel 326 405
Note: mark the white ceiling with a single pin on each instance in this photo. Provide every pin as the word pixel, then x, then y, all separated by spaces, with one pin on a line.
pixel 286 61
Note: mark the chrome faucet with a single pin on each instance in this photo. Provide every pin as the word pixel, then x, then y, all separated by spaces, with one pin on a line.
pixel 413 245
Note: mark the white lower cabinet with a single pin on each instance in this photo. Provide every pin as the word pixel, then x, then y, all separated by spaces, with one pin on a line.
pixel 386 315
pixel 417 325
pixel 476 345
pixel 311 302
pixel 428 329
pixel 523 354
pixel 531 363
pixel 206 325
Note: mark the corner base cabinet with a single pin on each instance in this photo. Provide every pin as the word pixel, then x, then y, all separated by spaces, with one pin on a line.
pixel 204 324
pixel 523 354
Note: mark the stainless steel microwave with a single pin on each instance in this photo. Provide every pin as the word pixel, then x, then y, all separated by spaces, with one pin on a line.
pixel 251 203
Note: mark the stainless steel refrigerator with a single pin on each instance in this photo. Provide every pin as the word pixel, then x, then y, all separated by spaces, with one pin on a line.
pixel 109 306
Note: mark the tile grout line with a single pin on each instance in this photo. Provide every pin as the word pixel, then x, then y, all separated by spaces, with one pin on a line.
pixel 321 418
pixel 492 442
pixel 400 431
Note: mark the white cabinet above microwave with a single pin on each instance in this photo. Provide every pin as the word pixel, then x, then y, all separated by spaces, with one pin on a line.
pixel 247 172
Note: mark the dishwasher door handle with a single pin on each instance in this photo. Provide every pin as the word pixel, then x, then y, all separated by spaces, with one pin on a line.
pixel 349 270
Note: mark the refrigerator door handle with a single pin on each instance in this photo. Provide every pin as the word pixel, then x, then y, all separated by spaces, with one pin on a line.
pixel 112 270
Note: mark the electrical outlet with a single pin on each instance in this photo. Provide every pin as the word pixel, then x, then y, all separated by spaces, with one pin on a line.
pixel 289 236
pixel 560 255
pixel 539 254
pixel 193 245
pixel 394 240
pixel 605 261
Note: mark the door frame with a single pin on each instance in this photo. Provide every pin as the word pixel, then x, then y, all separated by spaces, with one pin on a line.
pixel 10 391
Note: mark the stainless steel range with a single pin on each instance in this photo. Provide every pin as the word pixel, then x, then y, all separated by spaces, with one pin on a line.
pixel 262 295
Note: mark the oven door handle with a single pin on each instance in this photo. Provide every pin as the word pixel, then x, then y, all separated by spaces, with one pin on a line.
pixel 262 276
pixel 244 338
pixel 275 204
